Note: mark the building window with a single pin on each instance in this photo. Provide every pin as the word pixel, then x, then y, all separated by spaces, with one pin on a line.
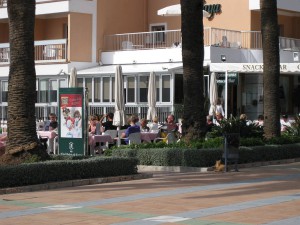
pixel 178 92
pixel 130 89
pixel 89 86
pixel 113 88
pixel 97 89
pixel 143 85
pixel 53 90
pixel 166 88
pixel 4 88
pixel 43 91
pixel 106 89
pixel 159 35
pixel 157 84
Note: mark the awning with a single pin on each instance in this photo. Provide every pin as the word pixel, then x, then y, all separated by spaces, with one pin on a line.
pixel 134 68
pixel 252 67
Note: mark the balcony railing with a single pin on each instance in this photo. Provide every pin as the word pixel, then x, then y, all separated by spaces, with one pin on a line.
pixel 45 51
pixel 3 3
pixel 172 38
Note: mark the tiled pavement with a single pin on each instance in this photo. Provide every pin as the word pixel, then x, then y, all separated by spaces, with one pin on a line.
pixel 261 195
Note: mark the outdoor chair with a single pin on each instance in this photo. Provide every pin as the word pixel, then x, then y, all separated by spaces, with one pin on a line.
pixel 134 138
pixel 169 139
pixel 113 134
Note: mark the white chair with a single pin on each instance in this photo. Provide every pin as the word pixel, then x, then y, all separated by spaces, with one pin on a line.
pixel 49 52
pixel 112 133
pixel 40 126
pixel 134 138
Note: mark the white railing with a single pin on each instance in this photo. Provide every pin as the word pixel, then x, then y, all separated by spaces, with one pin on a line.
pixel 3 3
pixel 42 111
pixel 143 40
pixel 45 51
pixel 172 38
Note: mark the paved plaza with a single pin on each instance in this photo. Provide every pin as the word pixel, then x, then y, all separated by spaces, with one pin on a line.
pixel 261 195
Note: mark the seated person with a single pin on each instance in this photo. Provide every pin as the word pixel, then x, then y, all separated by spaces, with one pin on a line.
pixel 209 123
pixel 155 124
pixel 93 124
pixel 285 123
pixel 169 127
pixel 108 125
pixel 170 123
pixel 134 128
pixel 51 124
pixel 260 121
pixel 144 127
pixel 219 118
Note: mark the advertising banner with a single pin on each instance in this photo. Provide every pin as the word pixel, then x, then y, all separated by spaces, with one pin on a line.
pixel 71 121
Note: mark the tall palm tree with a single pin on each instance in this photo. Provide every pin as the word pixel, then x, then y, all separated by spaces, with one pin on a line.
pixel 192 57
pixel 270 41
pixel 22 138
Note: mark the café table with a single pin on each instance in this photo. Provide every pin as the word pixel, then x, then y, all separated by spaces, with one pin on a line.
pixel 148 136
pixel 103 138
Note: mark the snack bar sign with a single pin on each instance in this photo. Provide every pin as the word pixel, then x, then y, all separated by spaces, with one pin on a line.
pixel 232 78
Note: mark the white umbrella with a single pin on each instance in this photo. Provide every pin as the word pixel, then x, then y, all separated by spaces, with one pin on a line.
pixel 73 78
pixel 213 93
pixel 151 97
pixel 175 10
pixel 119 118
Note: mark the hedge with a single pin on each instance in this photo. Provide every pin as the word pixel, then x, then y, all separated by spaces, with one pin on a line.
pixel 207 157
pixel 61 170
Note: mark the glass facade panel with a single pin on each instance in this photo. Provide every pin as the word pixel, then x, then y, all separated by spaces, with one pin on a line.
pixel 113 89
pixel 166 88
pixel 157 88
pixel 89 85
pixel 53 90
pixel 4 91
pixel 130 89
pixel 80 82
pixel 97 89
pixel 106 89
pixel 43 91
pixel 143 85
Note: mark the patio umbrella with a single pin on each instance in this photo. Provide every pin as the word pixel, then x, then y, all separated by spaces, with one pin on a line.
pixel 213 93
pixel 151 97
pixel 73 78
pixel 119 118
pixel 175 10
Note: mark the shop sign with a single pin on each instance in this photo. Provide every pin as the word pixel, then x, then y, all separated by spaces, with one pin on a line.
pixel 212 9
pixel 232 78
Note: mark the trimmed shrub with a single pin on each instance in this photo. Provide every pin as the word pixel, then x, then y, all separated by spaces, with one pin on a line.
pixel 61 170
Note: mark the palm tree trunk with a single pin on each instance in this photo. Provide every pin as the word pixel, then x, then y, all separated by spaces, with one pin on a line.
pixel 270 32
pixel 22 137
pixel 192 56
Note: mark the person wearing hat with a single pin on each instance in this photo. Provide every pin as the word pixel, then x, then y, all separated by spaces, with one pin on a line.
pixel 285 122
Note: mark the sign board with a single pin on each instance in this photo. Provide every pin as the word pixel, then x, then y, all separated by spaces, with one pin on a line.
pixel 71 121
pixel 232 78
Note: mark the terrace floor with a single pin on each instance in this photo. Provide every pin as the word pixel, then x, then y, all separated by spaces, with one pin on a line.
pixel 259 195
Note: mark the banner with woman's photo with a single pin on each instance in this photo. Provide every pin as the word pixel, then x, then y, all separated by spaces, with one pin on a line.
pixel 71 121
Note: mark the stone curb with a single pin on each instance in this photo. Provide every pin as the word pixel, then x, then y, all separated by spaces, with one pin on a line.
pixel 74 183
pixel 143 168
